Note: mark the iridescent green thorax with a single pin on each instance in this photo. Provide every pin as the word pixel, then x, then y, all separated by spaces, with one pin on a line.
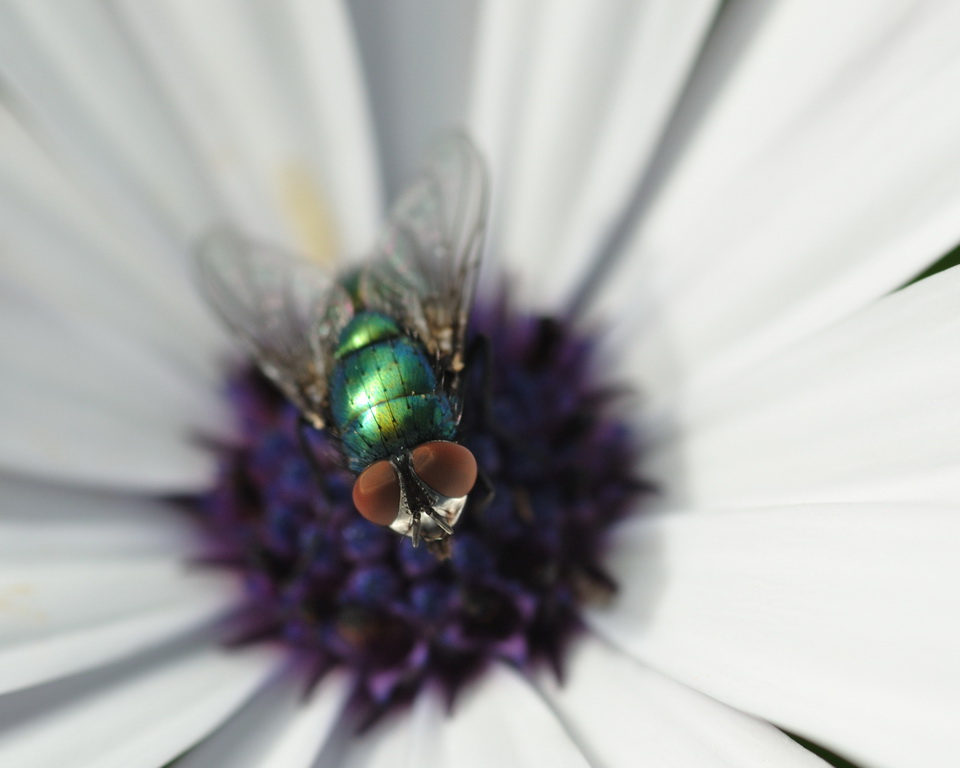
pixel 365 329
pixel 383 392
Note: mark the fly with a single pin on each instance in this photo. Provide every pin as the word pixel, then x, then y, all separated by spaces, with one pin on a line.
pixel 375 356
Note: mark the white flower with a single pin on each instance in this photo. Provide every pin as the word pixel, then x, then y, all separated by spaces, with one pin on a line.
pixel 783 168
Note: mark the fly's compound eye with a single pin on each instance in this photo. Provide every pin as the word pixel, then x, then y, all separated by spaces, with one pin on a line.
pixel 448 468
pixel 376 494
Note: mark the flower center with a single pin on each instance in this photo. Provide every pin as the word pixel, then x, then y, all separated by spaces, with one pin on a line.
pixel 557 471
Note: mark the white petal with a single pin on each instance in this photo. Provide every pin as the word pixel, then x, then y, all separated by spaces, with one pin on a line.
pixel 623 714
pixel 240 142
pixel 527 732
pixel 104 366
pixel 866 410
pixel 546 98
pixel 48 433
pixel 568 102
pixel 138 715
pixel 106 272
pixel 64 616
pixel 279 727
pixel 664 40
pixel 76 58
pixel 262 131
pixel 823 175
pixel 500 720
pixel 344 131
pixel 838 622
pixel 43 595
pixel 416 57
pixel 387 743
pixel 503 33
pixel 304 736
pixel 78 86
pixel 84 402
pixel 40 520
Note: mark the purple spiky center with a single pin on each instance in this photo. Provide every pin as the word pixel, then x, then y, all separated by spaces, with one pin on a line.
pixel 345 593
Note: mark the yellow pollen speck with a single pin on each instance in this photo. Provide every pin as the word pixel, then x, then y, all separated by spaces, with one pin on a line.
pixel 16 602
pixel 309 214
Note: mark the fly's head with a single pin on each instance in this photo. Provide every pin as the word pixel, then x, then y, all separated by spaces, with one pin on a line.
pixel 418 493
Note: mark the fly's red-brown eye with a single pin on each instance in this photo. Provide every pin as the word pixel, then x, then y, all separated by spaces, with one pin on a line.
pixel 376 494
pixel 448 468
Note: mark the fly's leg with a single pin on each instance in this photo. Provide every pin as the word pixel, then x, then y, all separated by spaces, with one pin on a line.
pixel 302 426
pixel 438 519
pixel 415 529
pixel 480 353
pixel 440 548
pixel 489 492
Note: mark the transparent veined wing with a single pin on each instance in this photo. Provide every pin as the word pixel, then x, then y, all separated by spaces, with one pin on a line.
pixel 287 311
pixel 425 267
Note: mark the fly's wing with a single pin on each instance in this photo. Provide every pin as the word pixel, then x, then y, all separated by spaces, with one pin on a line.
pixel 425 268
pixel 288 312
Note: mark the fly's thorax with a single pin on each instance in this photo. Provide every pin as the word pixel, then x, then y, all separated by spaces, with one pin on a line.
pixel 365 328
pixel 384 393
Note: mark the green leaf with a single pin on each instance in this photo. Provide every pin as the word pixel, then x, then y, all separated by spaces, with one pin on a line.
pixel 952 259
pixel 826 754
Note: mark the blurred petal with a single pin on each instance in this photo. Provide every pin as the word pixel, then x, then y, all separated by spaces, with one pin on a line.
pixel 84 402
pixel 72 79
pixel 527 732
pixel 79 85
pixel 50 434
pixel 279 727
pixel 823 175
pixel 65 248
pixel 538 94
pixel 138 715
pixel 264 134
pixel 624 714
pixel 499 720
pixel 342 129
pixel 102 364
pixel 569 101
pixel 67 615
pixel 837 622
pixel 866 410
pixel 416 57
pixel 41 521
pixel 664 40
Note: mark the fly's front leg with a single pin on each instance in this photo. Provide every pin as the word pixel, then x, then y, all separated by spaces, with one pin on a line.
pixel 302 426
pixel 415 528
pixel 489 492
pixel 480 353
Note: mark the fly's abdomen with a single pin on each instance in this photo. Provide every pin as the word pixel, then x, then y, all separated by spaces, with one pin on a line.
pixel 383 392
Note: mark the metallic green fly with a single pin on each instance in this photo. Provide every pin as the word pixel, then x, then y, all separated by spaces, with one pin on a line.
pixel 375 356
